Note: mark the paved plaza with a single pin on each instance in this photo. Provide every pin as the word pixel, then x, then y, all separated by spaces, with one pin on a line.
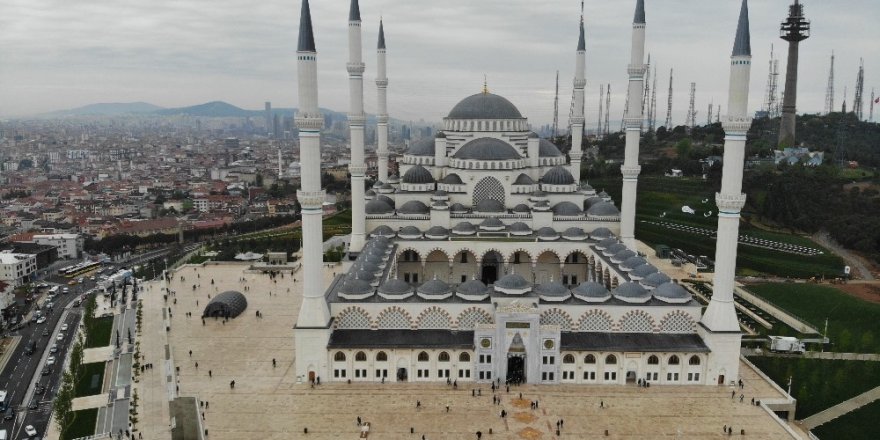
pixel 268 403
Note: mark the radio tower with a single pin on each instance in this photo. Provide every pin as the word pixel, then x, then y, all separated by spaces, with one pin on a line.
pixel 625 110
pixel 669 105
pixel 709 118
pixel 646 109
pixel 795 29
pixel 556 108
pixel 692 112
pixel 608 110
pixel 860 89
pixel 873 100
pixel 601 114
pixel 652 117
pixel 843 107
pixel 770 103
pixel 718 115
pixel 829 92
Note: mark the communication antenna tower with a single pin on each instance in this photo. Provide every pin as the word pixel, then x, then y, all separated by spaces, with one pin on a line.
pixel 599 132
pixel 692 112
pixel 625 111
pixel 669 104
pixel 608 110
pixel 860 88
pixel 829 92
pixel 709 118
pixel 647 94
pixel 873 101
pixel 556 108
pixel 771 105
pixel 718 114
pixel 652 113
pixel 843 107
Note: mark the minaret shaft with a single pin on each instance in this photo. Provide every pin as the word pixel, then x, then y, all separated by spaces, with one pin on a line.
pixel 633 125
pixel 577 121
pixel 382 100
pixel 356 121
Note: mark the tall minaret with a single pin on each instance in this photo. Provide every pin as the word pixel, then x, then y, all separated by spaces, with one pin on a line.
pixel 633 123
pixel 280 165
pixel 312 324
pixel 577 120
pixel 720 320
pixel 356 120
pixel 382 117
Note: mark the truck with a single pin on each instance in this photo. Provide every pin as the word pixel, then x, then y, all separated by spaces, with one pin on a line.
pixel 786 344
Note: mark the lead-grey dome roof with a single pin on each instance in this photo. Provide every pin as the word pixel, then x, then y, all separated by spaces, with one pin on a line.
pixel 547 233
pixel 409 231
pixel 671 293
pixel 615 248
pixel 418 174
pixel 485 106
pixel 489 205
pixel 591 291
pixel 228 304
pixel 631 291
pixel 512 281
pixel 452 179
pixel 457 207
pixel 486 149
pixel 606 243
pixel 472 287
pixel 523 179
pixel 437 231
pixel 643 271
pixel 574 233
pixel 522 207
pixel 464 228
pixel 601 234
pixel 566 208
pixel 395 287
pixel 433 288
pixel 553 291
pixel 492 222
pixel 377 207
pixel 592 201
pixel 603 209
pixel 423 147
pixel 656 279
pixel 386 199
pixel 557 176
pixel 355 286
pixel 547 149
pixel 623 255
pixel 633 262
pixel 414 207
pixel 384 231
pixel 520 227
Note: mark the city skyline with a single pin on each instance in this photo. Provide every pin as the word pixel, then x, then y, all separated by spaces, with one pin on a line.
pixel 186 53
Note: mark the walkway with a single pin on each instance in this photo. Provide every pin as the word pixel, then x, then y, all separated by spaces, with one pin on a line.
pixel 827 355
pixel 840 409
pixel 857 263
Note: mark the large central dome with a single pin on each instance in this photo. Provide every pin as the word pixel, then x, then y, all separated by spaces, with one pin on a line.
pixel 485 106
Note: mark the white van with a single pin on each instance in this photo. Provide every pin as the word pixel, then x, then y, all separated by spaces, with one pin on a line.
pixel 2 434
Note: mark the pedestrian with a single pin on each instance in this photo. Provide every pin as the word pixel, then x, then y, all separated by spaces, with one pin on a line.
pixel 232 384
pixel 418 404
pixel 210 374
pixel 273 362
pixel 479 435
pixel 480 392
pixel 561 423
pixel 206 404
pixel 190 353
pixel 359 420
pixel 733 394
pixel 741 397
pixel 473 392
pixel 197 365
pixel 601 404
pixel 536 403
pixel 520 396
pixel 447 408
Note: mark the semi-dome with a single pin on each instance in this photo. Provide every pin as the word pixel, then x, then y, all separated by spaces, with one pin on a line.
pixel 409 232
pixel 437 233
pixel 655 279
pixel 434 290
pixel 547 233
pixel 642 271
pixel 452 179
pixel 464 228
pixel 523 179
pixel 492 224
pixel 414 207
pixel 472 290
pixel 486 149
pixel 521 208
pixel 418 174
pixel 632 262
pixel 520 228
pixel 591 291
pixel 557 176
pixel 485 106
pixel 395 289
pixel 603 209
pixel 489 205
pixel 631 293
pixel 382 231
pixel 601 234
pixel 547 149
pixel 377 207
pixel 671 293
pixel 512 284
pixel 553 292
pixel 566 209
pixel 423 147
pixel 574 233
pixel 457 208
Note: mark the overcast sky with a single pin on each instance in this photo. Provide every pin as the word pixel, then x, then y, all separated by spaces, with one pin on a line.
pixel 57 54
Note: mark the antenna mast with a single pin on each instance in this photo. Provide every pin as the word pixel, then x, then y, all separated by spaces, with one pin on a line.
pixel 669 105
pixel 652 114
pixel 599 132
pixel 608 110
pixel 873 101
pixel 829 92
pixel 647 94
pixel 709 118
pixel 860 88
pixel 556 108
pixel 692 112
pixel 771 103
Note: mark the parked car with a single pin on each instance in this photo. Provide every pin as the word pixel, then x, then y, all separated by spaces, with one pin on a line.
pixel 41 319
pixel 46 371
pixel 30 431
pixel 53 348
pixel 64 327
pixel 50 360
pixel 9 414
pixel 60 337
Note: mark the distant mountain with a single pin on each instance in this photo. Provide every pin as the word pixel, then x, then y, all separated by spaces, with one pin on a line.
pixel 214 109
pixel 109 109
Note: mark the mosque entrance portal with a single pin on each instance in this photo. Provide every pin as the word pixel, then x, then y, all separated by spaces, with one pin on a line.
pixel 491 268
pixel 401 374
pixel 516 368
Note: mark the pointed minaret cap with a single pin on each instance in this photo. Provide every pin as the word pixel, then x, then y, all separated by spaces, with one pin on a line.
pixel 306 37
pixel 582 45
pixel 640 12
pixel 381 35
pixel 742 46
pixel 354 12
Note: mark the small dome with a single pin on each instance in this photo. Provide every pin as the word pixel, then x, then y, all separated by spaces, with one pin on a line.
pixel 464 228
pixel 354 288
pixel 671 293
pixel 363 275
pixel 521 208
pixel 520 228
pixel 487 149
pixel 386 199
pixel 418 174
pixel 613 249
pixel 557 176
pixel 633 262
pixel 395 289
pixel 603 209
pixel 492 224
pixel 604 195
pixel 437 233
pixel 524 179
pixel 394 178
pixel 601 234
pixel 457 208
pixel 409 232
pixel 489 205
pixel 378 184
pixel 622 256
pixel 473 290
pixel 590 202
pixel 574 234
pixel 484 106
pixel 547 149
pixel 382 231
pixel 631 293
pixel 413 207
pixel 655 279
pixel 377 207
pixel 606 243
pixel 452 179
pixel 547 233
pixel 434 289
pixel 370 194
pixel 367 266
pixel 566 209
pixel 553 292
pixel 591 291
pixel 512 282
pixel 422 147
pixel 642 271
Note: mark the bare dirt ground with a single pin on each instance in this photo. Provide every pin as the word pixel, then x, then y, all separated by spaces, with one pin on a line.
pixel 868 291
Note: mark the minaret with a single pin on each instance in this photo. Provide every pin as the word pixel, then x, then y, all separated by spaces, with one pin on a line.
pixel 280 165
pixel 633 123
pixel 312 324
pixel 720 319
pixel 577 120
pixel 382 117
pixel 794 30
pixel 356 120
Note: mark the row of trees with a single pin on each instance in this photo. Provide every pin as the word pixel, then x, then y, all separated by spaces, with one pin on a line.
pixel 62 406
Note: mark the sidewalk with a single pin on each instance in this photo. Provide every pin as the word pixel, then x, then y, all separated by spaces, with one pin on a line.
pixel 840 409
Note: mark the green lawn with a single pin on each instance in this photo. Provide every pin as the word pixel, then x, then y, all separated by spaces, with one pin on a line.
pixel 857 425
pixel 820 384
pixel 83 424
pixel 853 324
pixel 659 195
pixel 86 377
pixel 98 335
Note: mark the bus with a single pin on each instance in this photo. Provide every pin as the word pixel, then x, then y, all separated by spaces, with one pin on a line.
pixel 79 269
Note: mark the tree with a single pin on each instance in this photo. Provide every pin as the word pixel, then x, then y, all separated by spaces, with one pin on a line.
pixel 683 148
pixel 63 404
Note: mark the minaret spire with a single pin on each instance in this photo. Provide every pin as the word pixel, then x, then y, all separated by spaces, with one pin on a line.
pixel 306 37
pixel 382 104
pixel 356 121
pixel 576 153
pixel 381 44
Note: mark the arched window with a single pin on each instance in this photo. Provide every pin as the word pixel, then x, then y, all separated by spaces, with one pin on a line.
pixel 423 357
pixel 611 360
pixel 653 360
pixel 568 359
pixel 464 357
pixel 589 359
pixel 443 357
pixel 381 356
pixel 694 360
pixel 673 360
pixel 360 356
pixel 339 357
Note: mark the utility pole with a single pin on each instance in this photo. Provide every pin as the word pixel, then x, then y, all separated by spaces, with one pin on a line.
pixel 829 91
pixel 669 105
pixel 692 112
pixel 556 108
pixel 860 89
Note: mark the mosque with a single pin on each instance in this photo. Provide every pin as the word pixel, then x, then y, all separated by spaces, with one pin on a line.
pixel 489 259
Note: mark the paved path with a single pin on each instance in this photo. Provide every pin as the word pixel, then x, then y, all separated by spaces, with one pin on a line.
pixel 840 409
pixel 870 357
pixel 857 263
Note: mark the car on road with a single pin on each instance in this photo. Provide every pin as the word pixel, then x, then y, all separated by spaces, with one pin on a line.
pixel 49 305
pixel 40 389
pixel 60 337
pixel 53 348
pixel 65 290
pixel 41 319
pixel 64 327
pixel 9 414
pixel 35 403
pixel 30 431
pixel 45 332
pixel 50 360
pixel 46 371
pixel 30 348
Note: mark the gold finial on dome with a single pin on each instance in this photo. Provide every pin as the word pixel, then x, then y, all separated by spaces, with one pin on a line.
pixel 485 85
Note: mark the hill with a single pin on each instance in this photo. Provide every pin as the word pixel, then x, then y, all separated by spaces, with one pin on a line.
pixel 109 109
pixel 210 109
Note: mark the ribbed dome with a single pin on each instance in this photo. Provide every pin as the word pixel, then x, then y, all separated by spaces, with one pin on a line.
pixel 632 293
pixel 622 256
pixel 589 203
pixel 489 205
pixel 464 228
pixel 671 293
pixel 613 249
pixel 434 289
pixel 567 209
pixel 409 232
pixel 492 224
pixel 363 275
pixel 437 232
pixel 423 147
pixel 632 263
pixel 642 271
pixel 520 228
pixel 487 149
pixel 485 106
pixel 655 279
pixel 418 174
pixel 395 288
pixel 457 208
pixel 472 290
pixel 547 149
pixel 394 178
pixel 413 207
pixel 452 179
pixel 601 234
pixel 574 234
pixel 522 208
pixel 367 266
pixel 354 288
pixel 370 194
pixel 512 282
pixel 606 243
pixel 523 179
pixel 384 231
pixel 386 199
pixel 553 292
pixel 547 233
pixel 378 184
pixel 377 207
pixel 591 291
pixel 603 209
pixel 557 176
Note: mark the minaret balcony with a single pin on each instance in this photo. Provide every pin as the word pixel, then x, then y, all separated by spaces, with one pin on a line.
pixel 357 170
pixel 355 68
pixel 636 72
pixel 577 120
pixel 736 125
pixel 312 122
pixel 730 203
pixel 630 172
pixel 382 82
pixel 382 119
pixel 357 120
pixel 310 199
pixel 580 83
